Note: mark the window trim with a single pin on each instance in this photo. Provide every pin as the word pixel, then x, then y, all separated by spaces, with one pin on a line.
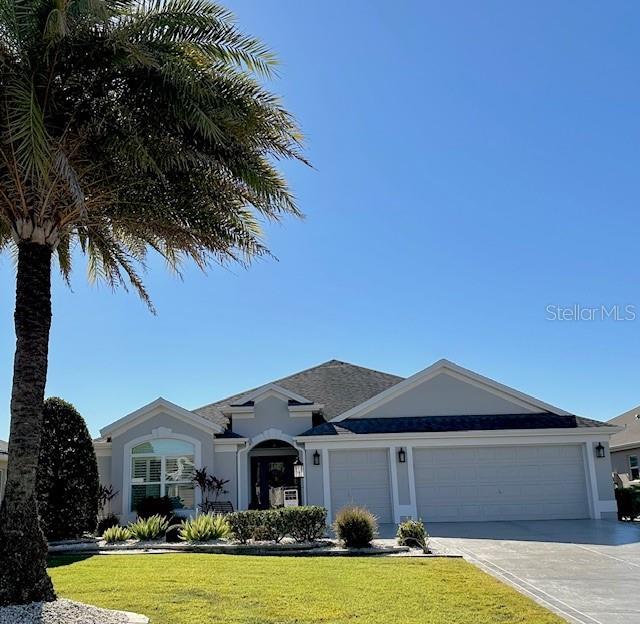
pixel 163 482
pixel 157 434
pixel 632 468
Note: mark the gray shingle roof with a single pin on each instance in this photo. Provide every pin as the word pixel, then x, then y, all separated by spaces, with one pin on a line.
pixel 631 433
pixel 4 447
pixel 421 424
pixel 339 386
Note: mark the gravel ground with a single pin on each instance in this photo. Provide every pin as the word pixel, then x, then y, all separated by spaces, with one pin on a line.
pixel 60 612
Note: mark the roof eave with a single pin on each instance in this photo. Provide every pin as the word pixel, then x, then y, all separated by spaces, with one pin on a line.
pixel 416 435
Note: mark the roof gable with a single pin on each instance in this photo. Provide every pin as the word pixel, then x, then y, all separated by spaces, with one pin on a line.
pixel 448 389
pixel 630 436
pixel 271 389
pixel 156 407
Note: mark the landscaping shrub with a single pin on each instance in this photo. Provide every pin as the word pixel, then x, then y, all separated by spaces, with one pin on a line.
pixel 242 524
pixel 412 533
pixel 106 523
pixel 156 506
pixel 305 524
pixel 67 486
pixel 272 525
pixel 204 528
pixel 628 500
pixel 116 534
pixel 355 526
pixel 151 528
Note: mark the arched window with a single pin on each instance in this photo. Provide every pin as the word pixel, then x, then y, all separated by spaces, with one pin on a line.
pixel 163 467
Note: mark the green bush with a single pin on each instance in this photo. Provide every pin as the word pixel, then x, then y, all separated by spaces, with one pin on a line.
pixel 242 524
pixel 156 506
pixel 151 528
pixel 106 523
pixel 204 528
pixel 272 525
pixel 305 524
pixel 67 485
pixel 116 534
pixel 628 500
pixel 355 526
pixel 412 533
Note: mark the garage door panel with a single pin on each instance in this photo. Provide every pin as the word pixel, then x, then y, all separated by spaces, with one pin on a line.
pixel 500 483
pixel 361 478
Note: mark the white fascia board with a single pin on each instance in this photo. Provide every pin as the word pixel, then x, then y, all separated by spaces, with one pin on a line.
pixel 102 448
pixel 229 441
pixel 312 407
pixel 579 434
pixel 153 408
pixel 445 366
pixel 273 389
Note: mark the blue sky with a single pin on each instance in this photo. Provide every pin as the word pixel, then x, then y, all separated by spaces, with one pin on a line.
pixel 474 164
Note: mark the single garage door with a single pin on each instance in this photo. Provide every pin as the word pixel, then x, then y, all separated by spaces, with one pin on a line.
pixel 500 483
pixel 361 478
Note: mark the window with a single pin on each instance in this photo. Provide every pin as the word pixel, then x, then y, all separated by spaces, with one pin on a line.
pixel 163 468
pixel 634 467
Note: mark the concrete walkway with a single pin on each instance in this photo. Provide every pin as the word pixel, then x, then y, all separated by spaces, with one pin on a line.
pixel 587 571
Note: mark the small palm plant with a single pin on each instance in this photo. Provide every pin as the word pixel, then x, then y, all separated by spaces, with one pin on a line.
pixel 116 534
pixel 204 528
pixel 151 528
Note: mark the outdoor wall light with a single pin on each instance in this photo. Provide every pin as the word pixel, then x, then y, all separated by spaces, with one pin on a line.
pixel 316 458
pixel 402 456
pixel 298 469
pixel 600 450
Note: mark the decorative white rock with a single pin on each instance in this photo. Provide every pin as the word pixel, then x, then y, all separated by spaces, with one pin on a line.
pixel 66 612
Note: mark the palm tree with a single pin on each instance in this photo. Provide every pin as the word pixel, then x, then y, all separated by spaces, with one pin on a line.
pixel 126 126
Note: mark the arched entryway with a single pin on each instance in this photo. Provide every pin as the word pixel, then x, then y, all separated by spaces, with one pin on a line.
pixel 271 475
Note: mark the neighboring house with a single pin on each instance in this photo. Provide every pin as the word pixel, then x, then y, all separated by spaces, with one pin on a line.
pixel 445 444
pixel 3 465
pixel 625 445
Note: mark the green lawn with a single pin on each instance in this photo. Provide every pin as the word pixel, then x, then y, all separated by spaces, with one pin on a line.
pixel 212 589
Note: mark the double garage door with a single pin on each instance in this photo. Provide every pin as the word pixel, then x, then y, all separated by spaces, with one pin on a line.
pixel 469 483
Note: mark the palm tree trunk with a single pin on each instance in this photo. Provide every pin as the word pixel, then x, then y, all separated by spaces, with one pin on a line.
pixel 23 548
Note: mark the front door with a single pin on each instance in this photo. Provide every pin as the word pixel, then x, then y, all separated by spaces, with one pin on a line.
pixel 269 477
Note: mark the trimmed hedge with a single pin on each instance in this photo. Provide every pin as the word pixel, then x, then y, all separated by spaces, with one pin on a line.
pixel 67 485
pixel 303 524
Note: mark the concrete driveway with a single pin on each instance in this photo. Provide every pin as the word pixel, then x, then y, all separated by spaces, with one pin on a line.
pixel 587 571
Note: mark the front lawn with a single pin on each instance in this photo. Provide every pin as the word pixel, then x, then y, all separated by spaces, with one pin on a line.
pixel 199 588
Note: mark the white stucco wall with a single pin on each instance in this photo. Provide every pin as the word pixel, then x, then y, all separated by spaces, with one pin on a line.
pixel 444 395
pixel 272 412
pixel 145 428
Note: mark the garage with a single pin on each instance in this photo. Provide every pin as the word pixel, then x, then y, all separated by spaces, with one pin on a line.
pixel 362 478
pixel 500 483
